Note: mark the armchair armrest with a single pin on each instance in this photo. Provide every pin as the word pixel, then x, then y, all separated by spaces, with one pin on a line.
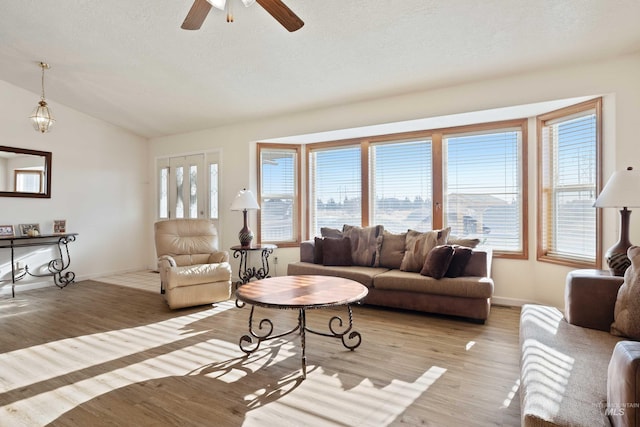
pixel 623 384
pixel 166 260
pixel 479 264
pixel 307 249
pixel 590 298
pixel 218 257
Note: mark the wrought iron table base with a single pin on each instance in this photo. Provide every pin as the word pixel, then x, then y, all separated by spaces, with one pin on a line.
pixel 56 266
pixel 266 326
pixel 246 273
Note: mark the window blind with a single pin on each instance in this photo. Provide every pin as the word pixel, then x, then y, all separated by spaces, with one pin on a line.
pixel 569 164
pixel 483 187
pixel 401 183
pixel 335 187
pixel 278 194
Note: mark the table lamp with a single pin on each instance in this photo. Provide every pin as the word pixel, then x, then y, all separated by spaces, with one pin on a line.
pixel 245 201
pixel 621 191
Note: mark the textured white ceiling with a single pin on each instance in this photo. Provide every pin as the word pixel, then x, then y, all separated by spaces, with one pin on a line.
pixel 129 63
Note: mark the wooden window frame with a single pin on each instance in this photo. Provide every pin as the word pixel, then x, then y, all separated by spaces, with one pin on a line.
pixel 541 250
pixel 436 136
pixel 297 217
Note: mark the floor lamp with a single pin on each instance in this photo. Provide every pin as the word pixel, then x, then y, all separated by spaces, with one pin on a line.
pixel 621 191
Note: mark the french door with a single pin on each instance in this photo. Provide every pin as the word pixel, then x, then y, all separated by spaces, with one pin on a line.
pixel 188 186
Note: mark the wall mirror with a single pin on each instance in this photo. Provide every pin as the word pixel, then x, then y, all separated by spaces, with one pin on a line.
pixel 25 173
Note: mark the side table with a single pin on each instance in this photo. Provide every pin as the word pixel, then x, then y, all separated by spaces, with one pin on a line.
pixel 246 273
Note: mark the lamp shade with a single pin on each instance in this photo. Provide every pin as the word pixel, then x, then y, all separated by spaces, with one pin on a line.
pixel 244 201
pixel 622 190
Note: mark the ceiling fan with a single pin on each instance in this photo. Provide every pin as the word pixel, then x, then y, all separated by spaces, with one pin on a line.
pixel 275 8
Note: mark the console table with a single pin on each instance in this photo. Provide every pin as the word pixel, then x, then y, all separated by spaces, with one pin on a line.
pixel 247 273
pixel 57 267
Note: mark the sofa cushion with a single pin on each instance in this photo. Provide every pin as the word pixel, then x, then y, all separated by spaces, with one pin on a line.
pixel 437 261
pixel 198 274
pixel 563 369
pixel 459 261
pixel 364 275
pixel 331 232
pixel 336 251
pixel 627 309
pixel 471 287
pixel 463 241
pixel 392 249
pixel 365 244
pixel 317 250
pixel 418 244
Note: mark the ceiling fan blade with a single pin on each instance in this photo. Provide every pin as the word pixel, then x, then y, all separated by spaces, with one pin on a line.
pixel 282 14
pixel 196 15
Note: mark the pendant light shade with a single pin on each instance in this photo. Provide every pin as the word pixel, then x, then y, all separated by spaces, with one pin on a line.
pixel 41 117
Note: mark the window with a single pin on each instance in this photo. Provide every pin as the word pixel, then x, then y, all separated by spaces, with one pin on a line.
pixel 279 187
pixel 29 180
pixel 471 178
pixel 569 171
pixel 401 185
pixel 335 187
pixel 483 187
pixel 213 191
pixel 163 192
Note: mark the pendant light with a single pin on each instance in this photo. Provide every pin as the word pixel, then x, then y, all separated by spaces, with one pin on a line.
pixel 41 118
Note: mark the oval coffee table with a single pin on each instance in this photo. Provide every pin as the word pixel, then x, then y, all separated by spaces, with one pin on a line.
pixel 300 293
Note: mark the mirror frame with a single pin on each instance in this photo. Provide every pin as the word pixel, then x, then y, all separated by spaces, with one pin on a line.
pixel 47 173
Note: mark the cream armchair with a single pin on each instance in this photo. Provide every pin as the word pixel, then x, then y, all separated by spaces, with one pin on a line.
pixel 192 269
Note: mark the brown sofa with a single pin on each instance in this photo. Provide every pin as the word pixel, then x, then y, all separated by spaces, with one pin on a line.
pixel 573 371
pixel 468 295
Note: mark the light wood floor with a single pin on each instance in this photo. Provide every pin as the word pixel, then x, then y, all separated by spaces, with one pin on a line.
pixel 101 354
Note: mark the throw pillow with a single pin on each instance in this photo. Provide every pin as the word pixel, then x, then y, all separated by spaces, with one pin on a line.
pixel 417 245
pixel 437 262
pixel 336 251
pixel 626 313
pixel 365 244
pixel 469 243
pixel 392 249
pixel 331 232
pixel 317 250
pixel 461 257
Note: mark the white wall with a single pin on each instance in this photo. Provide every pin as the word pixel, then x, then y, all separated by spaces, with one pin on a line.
pixel 516 281
pixel 99 185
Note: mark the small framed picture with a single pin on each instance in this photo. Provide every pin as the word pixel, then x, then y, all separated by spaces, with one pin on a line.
pixel 29 229
pixel 7 231
pixel 59 226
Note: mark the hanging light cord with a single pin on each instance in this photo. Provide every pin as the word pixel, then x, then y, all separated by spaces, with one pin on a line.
pixel 43 66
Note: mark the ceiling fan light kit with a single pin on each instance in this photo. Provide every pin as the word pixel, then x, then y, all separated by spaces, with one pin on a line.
pixel 276 8
pixel 221 4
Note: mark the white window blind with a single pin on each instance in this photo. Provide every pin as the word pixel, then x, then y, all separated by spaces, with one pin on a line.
pixel 483 187
pixel 278 195
pixel 569 181
pixel 401 185
pixel 335 185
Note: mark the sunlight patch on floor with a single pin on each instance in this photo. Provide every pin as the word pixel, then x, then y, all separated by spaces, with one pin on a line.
pixel 364 404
